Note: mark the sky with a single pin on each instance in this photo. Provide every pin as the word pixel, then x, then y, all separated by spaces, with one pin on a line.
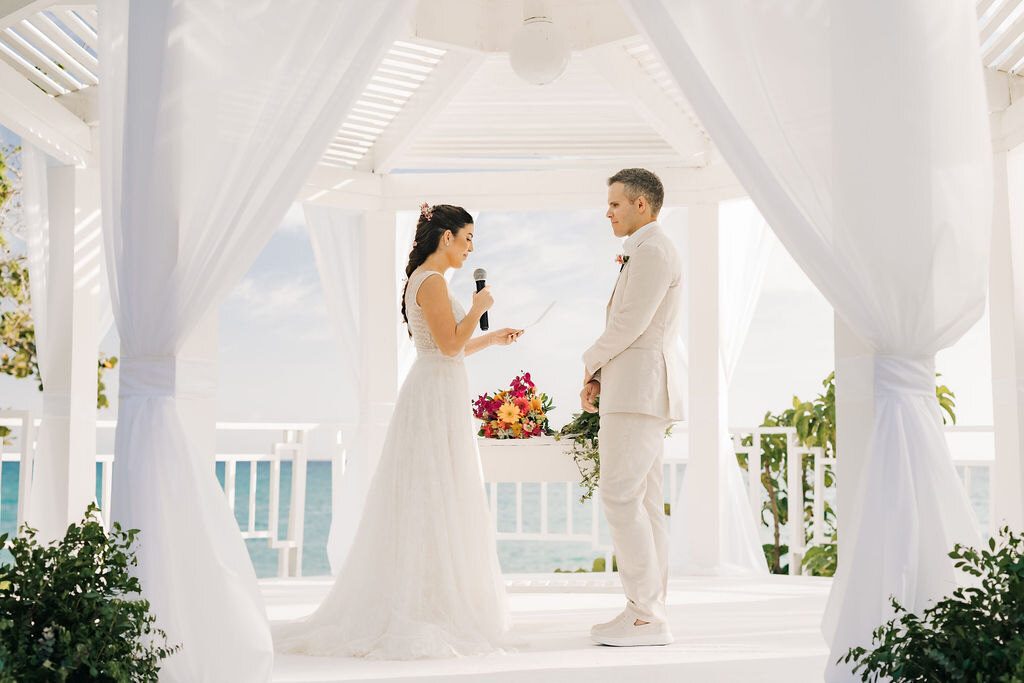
pixel 279 361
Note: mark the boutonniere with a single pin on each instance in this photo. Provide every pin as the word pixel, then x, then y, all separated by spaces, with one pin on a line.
pixel 622 260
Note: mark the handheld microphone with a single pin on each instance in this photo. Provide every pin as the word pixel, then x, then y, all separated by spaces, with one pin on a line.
pixel 480 275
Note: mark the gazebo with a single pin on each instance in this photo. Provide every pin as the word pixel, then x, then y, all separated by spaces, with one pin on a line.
pixel 881 146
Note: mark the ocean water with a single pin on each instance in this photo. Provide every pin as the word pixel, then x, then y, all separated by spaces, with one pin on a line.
pixel 514 556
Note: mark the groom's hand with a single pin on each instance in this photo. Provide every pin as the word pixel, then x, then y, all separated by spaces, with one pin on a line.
pixel 591 390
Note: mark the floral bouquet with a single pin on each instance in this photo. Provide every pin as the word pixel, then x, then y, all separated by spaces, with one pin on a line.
pixel 516 413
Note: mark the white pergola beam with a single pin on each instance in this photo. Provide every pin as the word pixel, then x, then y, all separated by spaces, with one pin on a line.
pixel 41 121
pixel 13 11
pixel 626 75
pixel 510 191
pixel 430 99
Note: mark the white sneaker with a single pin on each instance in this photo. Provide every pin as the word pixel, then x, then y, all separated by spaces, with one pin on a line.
pixel 622 632
pixel 613 624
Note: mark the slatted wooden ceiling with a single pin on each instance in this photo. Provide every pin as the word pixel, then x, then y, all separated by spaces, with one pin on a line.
pixel 493 120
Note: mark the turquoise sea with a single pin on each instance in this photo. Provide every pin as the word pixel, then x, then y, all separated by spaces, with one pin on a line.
pixel 514 556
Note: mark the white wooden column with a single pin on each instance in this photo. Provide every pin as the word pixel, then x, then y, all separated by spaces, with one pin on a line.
pixel 705 383
pixel 379 317
pixel 1006 320
pixel 855 414
pixel 64 477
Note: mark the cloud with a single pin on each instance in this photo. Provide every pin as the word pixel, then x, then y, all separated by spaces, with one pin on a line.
pixel 271 299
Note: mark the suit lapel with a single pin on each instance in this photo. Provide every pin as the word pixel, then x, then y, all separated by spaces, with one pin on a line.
pixel 643 238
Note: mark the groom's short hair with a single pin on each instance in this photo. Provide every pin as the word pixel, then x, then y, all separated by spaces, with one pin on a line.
pixel 640 181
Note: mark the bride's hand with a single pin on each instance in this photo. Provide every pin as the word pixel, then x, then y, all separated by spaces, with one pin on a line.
pixel 505 336
pixel 483 300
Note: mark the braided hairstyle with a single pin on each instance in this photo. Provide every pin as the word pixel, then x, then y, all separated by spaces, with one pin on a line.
pixel 433 222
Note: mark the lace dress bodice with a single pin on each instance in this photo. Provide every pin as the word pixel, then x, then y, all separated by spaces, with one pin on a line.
pixel 421 336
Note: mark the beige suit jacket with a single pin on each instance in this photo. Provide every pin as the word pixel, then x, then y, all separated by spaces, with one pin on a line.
pixel 638 358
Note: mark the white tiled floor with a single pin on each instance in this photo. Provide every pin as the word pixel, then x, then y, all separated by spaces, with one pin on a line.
pixel 726 629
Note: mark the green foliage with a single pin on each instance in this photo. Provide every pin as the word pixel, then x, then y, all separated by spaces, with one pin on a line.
pixel 815 424
pixel 598 566
pixel 18 357
pixel 583 431
pixel 947 401
pixel 822 560
pixel 975 634
pixel 70 611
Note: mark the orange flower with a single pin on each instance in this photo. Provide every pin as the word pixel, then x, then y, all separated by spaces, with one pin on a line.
pixel 508 413
pixel 535 403
pixel 517 429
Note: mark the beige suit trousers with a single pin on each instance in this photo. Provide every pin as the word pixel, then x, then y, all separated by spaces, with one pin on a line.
pixel 631 447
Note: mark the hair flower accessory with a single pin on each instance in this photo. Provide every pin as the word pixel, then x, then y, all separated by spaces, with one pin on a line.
pixel 426 211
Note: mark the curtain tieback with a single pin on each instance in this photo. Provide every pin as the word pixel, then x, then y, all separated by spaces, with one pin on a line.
pixel 901 376
pixel 168 377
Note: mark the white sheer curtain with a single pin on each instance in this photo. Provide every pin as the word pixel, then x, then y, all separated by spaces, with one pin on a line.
pixel 860 130
pixel 213 115
pixel 337 237
pixel 35 206
pixel 745 246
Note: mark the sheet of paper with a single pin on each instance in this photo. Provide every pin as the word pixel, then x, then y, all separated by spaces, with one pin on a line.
pixel 550 306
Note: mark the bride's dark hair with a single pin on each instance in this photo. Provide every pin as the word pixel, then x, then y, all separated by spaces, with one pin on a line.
pixel 433 222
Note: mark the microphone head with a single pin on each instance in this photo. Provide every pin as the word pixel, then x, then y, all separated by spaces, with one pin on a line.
pixel 479 274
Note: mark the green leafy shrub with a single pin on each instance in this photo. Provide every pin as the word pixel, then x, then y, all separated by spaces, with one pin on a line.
pixel 71 611
pixel 815 424
pixel 976 634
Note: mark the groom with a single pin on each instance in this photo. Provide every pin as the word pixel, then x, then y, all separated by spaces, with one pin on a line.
pixel 634 367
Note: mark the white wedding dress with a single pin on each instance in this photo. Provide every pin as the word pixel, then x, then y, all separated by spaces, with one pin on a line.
pixel 422 576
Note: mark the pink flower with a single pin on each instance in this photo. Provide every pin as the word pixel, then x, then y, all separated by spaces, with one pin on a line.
pixel 522 404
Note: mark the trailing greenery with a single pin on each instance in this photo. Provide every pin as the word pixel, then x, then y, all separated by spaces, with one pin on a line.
pixel 815 424
pixel 70 611
pixel 18 357
pixel 976 634
pixel 583 431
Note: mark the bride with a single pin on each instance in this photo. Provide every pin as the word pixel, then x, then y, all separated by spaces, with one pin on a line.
pixel 422 576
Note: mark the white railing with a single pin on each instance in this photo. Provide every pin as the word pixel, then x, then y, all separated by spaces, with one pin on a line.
pixel 550 465
pixel 797 541
pixel 290 447
pixel 536 461
pixel 23 434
